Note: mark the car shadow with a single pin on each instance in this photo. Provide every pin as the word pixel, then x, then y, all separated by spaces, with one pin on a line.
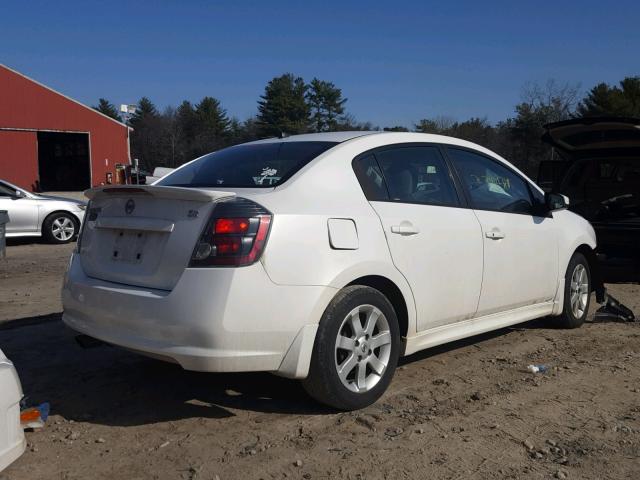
pixel 541 323
pixel 16 241
pixel 111 386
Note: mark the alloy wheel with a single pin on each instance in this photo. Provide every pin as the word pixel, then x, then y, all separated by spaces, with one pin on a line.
pixel 63 228
pixel 363 348
pixel 579 291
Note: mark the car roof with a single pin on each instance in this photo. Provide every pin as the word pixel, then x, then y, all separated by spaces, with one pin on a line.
pixel 337 137
pixel 341 137
pixel 394 137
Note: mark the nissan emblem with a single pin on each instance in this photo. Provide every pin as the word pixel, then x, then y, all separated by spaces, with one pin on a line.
pixel 130 206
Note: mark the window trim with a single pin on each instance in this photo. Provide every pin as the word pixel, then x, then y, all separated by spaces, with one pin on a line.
pixel 462 201
pixel 526 181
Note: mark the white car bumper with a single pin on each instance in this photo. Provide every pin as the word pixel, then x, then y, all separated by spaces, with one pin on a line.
pixel 215 319
pixel 12 441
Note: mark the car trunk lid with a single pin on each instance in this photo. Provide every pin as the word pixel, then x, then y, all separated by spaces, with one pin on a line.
pixel 143 235
pixel 594 137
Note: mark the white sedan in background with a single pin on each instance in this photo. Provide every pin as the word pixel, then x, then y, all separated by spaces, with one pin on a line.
pixel 12 441
pixel 56 219
pixel 326 257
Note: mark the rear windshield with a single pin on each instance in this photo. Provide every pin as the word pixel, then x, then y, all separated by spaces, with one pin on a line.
pixel 258 165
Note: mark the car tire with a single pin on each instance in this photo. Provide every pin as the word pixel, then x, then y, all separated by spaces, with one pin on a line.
pixel 577 292
pixel 351 367
pixel 60 227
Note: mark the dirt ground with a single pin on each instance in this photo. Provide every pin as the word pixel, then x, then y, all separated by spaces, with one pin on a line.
pixel 31 279
pixel 468 410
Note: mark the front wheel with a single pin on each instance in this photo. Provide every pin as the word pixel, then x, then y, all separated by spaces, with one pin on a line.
pixel 577 292
pixel 356 349
pixel 60 227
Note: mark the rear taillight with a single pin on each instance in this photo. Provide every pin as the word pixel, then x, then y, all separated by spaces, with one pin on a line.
pixel 234 236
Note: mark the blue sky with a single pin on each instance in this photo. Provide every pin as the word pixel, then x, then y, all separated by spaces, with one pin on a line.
pixel 396 62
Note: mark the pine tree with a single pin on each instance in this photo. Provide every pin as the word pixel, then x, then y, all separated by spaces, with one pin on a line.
pixel 186 126
pixel 283 109
pixel 145 110
pixel 604 100
pixel 147 136
pixel 186 118
pixel 241 132
pixel 107 108
pixel 211 117
pixel 212 125
pixel 326 105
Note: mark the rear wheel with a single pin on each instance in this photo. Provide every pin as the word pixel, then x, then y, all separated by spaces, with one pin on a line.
pixel 60 227
pixel 577 292
pixel 356 349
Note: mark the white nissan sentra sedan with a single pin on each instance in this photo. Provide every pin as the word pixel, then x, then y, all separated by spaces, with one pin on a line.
pixel 325 257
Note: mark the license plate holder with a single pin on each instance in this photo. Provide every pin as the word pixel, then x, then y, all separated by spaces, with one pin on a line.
pixel 129 246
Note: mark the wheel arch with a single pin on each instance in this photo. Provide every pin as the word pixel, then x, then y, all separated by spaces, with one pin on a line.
pixel 393 293
pixel 597 284
pixel 296 362
pixel 585 248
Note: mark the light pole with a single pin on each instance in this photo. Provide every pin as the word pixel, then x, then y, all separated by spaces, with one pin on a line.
pixel 126 110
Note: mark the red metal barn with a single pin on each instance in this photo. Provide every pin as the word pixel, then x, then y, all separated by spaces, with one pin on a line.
pixel 49 142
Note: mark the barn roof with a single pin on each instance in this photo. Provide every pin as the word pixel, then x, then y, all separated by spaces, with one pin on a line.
pixel 2 66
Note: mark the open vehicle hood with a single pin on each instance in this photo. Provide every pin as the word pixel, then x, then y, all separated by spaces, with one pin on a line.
pixel 594 137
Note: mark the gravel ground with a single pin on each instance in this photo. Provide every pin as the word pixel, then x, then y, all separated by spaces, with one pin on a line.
pixel 464 410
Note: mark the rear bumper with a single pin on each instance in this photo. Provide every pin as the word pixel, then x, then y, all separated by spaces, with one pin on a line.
pixel 215 319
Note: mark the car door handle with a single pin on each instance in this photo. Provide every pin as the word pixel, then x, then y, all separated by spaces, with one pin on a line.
pixel 405 228
pixel 494 234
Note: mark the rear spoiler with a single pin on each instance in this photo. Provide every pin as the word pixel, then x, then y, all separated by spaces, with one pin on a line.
pixel 177 193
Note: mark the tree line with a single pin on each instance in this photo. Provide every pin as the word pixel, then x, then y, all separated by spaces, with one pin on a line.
pixel 291 106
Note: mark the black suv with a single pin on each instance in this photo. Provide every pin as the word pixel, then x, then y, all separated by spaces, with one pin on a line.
pixel 599 170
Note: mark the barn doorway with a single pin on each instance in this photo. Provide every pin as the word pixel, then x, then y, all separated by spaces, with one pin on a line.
pixel 63 161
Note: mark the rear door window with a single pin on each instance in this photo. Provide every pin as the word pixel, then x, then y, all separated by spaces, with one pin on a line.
pixel 258 165
pixel 417 174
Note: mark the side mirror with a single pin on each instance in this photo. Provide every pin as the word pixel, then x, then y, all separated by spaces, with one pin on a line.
pixel 556 201
pixel 18 194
